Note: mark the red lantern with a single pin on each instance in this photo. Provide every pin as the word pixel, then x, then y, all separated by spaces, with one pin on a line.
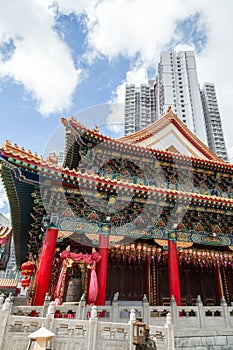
pixel 25 282
pixel 27 268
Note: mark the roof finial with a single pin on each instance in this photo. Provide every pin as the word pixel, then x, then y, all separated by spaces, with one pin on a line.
pixel 96 128
pixel 169 109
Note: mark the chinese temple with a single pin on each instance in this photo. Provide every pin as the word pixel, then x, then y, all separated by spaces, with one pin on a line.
pixel 147 214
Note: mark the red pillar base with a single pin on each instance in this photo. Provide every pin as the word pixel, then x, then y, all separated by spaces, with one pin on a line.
pixel 173 271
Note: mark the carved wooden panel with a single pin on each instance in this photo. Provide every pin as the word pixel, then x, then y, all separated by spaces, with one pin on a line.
pixel 183 284
pixel 209 287
pixel 163 286
pixel 190 285
pixel 193 281
pixel 195 287
pixel 127 279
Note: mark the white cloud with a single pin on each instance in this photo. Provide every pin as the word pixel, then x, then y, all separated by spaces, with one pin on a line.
pixel 138 30
pixel 141 30
pixel 129 28
pixel 115 119
pixel 184 47
pixel 215 62
pixel 41 62
pixel 75 6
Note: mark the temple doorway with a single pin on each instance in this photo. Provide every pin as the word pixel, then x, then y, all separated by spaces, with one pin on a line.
pixel 129 279
pixel 193 282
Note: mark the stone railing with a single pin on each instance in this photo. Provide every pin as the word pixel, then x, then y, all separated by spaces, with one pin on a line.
pixel 69 333
pixel 112 325
pixel 74 330
pixel 198 316
pixel 154 315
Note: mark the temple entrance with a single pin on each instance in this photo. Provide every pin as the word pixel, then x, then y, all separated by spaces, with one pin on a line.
pixel 193 281
pixel 129 279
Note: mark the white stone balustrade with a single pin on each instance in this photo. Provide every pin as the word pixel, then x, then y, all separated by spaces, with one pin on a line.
pixel 94 333
pixel 111 328
pixel 198 316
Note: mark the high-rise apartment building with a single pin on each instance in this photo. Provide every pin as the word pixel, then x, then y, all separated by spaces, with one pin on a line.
pixel 177 86
pixel 139 106
pixel 213 122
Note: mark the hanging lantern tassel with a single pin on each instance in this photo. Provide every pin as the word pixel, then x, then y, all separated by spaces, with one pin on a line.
pixel 93 288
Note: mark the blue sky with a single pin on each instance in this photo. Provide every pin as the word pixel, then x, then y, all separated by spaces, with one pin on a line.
pixel 59 58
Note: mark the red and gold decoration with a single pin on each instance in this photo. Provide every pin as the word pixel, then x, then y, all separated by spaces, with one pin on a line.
pixel 126 202
pixel 206 258
pixel 164 243
pixel 25 282
pixel 27 270
pixel 69 259
pixel 144 252
pixel 137 251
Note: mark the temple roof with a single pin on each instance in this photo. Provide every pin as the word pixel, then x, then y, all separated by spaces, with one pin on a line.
pixel 162 179
pixel 168 138
pixel 171 133
pixel 46 167
pixel 6 283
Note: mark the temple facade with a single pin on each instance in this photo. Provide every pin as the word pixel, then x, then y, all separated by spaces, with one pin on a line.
pixel 148 215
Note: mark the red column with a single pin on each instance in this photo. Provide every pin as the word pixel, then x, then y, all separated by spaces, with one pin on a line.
pixel 173 271
pixel 45 265
pixel 102 269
